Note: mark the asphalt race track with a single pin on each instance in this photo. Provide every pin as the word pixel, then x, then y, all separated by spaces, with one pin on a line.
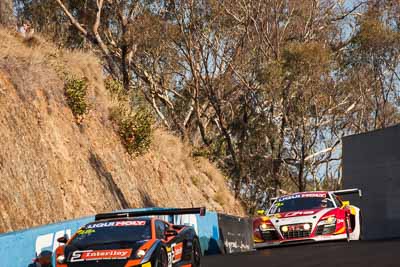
pixel 332 254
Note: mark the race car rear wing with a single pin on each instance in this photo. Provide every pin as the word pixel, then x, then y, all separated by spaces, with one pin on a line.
pixel 348 192
pixel 153 212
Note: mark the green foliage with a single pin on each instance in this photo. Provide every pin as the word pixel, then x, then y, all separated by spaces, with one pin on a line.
pixel 215 150
pixel 130 98
pixel 45 19
pixel 374 42
pixel 133 119
pixel 134 128
pixel 260 96
pixel 302 58
pixel 75 92
pixel 375 36
pixel 201 152
pixel 115 88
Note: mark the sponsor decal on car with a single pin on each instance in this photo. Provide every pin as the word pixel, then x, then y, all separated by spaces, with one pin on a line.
pixel 302 195
pixel 289 197
pixel 174 253
pixel 178 249
pixel 85 231
pixel 322 195
pixel 116 224
pixel 298 213
pixel 89 255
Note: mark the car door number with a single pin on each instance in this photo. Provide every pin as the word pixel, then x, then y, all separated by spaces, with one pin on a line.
pixel 175 253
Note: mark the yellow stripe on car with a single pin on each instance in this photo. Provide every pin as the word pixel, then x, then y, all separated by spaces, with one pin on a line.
pixel 264 218
pixel 340 231
pixel 257 240
pixel 353 210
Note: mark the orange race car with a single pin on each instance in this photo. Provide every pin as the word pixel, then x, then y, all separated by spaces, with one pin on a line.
pixel 130 239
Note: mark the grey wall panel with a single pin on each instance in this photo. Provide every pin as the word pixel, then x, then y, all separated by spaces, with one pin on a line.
pixel 236 233
pixel 371 162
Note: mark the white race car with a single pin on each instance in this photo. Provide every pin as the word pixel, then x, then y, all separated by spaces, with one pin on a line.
pixel 308 216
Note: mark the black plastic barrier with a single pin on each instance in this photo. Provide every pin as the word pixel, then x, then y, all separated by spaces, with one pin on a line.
pixel 235 234
pixel 371 162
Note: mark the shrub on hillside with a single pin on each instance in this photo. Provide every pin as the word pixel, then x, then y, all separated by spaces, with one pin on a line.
pixel 115 88
pixel 133 119
pixel 75 92
pixel 131 98
pixel 134 128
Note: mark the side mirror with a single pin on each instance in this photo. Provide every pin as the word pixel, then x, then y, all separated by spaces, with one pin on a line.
pixel 170 232
pixel 63 239
pixel 260 212
pixel 346 203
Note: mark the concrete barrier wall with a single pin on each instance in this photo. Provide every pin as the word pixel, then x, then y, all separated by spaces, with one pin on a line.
pixel 17 249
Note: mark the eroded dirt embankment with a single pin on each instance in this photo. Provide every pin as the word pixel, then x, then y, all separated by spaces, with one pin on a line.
pixel 53 169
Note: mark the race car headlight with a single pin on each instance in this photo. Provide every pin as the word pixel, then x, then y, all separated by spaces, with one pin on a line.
pixel 329 220
pixel 140 253
pixel 306 226
pixel 285 229
pixel 61 259
pixel 266 227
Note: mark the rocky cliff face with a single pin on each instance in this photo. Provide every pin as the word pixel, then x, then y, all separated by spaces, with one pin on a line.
pixel 52 168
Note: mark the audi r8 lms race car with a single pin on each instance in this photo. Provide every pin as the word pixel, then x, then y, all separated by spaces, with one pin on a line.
pixel 130 239
pixel 308 216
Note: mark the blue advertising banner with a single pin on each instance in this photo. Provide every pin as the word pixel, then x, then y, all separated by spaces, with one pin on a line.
pixel 207 229
pixel 18 249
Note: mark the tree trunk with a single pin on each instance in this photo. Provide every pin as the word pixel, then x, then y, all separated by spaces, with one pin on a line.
pixel 302 185
pixel 7 18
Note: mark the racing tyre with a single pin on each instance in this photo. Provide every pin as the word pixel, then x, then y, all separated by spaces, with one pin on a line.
pixel 162 260
pixel 196 253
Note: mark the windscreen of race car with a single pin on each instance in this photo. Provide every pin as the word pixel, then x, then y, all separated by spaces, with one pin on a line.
pixel 112 232
pixel 301 203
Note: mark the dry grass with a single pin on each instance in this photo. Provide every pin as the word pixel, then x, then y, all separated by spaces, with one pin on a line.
pixel 196 180
pixel 221 198
pixel 48 161
pixel 204 175
pixel 37 52
pixel 41 64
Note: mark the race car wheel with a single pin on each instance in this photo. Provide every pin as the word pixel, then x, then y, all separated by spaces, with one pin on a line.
pixel 162 260
pixel 196 253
